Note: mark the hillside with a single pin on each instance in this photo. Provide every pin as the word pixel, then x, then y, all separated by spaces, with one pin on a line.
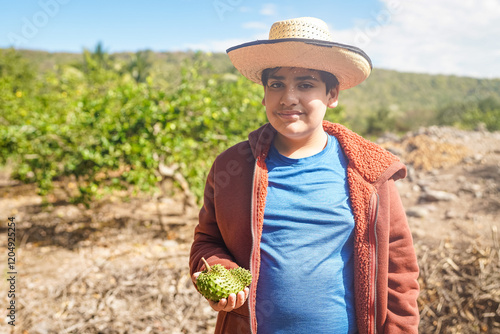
pixel 411 96
pixel 415 96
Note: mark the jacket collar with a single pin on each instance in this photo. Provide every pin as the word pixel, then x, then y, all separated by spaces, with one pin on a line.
pixel 369 160
pixel 261 139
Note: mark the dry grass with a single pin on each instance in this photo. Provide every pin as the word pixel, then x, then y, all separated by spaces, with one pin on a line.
pixel 425 153
pixel 141 288
pixel 460 287
pixel 144 287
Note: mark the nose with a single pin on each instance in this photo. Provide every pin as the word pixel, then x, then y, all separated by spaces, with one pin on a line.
pixel 289 97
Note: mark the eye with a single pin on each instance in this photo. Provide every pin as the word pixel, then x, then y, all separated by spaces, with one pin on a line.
pixel 306 86
pixel 276 85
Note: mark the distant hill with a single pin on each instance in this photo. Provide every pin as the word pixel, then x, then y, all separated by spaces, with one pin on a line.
pixel 415 94
pixel 162 61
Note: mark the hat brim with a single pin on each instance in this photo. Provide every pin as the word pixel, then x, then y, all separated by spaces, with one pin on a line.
pixel 348 63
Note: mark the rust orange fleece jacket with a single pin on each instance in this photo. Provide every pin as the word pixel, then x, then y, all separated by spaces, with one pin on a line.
pixel 386 271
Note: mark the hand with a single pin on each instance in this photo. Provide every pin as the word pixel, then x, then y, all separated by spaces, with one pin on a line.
pixel 232 302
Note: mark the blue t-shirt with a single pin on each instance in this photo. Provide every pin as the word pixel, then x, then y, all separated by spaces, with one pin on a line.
pixel 306 282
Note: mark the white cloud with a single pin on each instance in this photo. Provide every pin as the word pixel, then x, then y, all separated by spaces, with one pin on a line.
pixel 268 9
pixel 445 36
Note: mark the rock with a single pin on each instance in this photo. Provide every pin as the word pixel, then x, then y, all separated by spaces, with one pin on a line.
pixel 411 173
pixel 396 151
pixel 436 196
pixel 419 233
pixel 417 211
pixel 471 187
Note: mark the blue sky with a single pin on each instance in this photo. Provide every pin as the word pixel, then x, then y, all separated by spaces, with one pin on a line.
pixel 428 36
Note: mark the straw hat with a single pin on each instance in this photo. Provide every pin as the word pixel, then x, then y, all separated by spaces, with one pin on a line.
pixel 302 42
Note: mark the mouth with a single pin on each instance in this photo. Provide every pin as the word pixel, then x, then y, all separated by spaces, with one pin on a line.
pixel 289 114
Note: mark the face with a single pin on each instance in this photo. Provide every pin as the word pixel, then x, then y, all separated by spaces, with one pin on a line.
pixel 296 101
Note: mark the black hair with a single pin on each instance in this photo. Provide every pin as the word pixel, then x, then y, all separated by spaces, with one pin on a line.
pixel 329 79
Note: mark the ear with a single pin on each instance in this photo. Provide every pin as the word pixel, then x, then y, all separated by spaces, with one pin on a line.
pixel 333 97
pixel 264 98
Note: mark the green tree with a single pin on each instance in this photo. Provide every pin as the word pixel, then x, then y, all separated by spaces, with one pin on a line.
pixel 140 65
pixel 109 131
pixel 470 114
pixel 380 121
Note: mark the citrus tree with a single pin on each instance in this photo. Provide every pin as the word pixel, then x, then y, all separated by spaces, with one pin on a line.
pixel 105 129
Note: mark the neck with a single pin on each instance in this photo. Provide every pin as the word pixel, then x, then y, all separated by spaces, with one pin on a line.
pixel 302 147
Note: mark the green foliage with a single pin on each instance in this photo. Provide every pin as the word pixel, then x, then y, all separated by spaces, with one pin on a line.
pixel 471 114
pixel 14 70
pixel 110 128
pixel 107 121
pixel 379 122
pixel 140 65
pixel 207 115
pixel 413 98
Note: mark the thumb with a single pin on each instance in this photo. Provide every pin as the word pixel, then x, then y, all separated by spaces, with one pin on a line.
pixel 194 277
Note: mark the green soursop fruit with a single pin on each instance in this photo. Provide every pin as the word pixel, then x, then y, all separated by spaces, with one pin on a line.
pixel 242 274
pixel 216 282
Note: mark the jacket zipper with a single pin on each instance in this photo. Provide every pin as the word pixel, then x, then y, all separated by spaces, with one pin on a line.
pixel 254 218
pixel 372 307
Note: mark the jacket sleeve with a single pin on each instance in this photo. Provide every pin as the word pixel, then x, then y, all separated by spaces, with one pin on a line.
pixel 208 241
pixel 403 288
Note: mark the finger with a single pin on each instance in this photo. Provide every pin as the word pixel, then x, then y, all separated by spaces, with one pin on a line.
pixel 231 303
pixel 240 299
pixel 218 306
pixel 245 293
pixel 194 277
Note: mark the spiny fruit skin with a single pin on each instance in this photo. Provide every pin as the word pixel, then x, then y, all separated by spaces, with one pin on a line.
pixel 216 282
pixel 242 274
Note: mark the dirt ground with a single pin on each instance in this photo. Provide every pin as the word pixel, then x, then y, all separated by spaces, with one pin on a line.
pixel 121 266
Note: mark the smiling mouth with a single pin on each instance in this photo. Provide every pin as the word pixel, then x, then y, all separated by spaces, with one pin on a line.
pixel 289 113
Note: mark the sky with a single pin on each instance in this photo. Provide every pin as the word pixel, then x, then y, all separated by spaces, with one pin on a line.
pixel 424 36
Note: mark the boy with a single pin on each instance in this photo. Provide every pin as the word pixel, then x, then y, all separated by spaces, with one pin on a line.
pixel 308 206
